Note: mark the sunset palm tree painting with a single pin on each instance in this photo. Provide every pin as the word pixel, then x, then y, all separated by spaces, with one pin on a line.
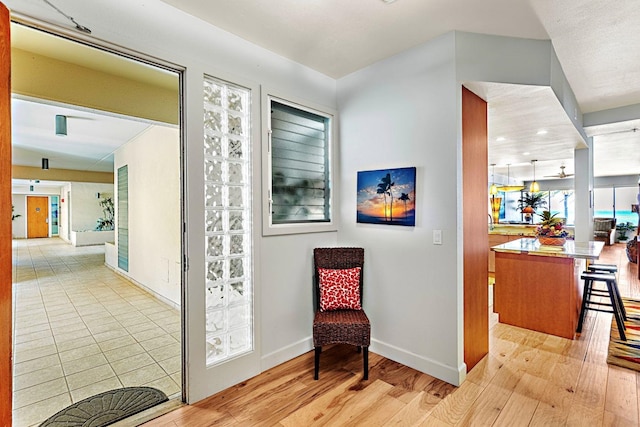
pixel 380 193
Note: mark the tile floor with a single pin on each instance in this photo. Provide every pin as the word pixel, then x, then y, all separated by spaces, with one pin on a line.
pixel 80 329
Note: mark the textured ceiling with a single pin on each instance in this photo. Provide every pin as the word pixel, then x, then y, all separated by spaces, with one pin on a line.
pixel 337 37
pixel 595 41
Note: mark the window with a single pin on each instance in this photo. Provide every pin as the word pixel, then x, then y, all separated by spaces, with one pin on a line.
pixel 123 218
pixel 227 216
pixel 299 196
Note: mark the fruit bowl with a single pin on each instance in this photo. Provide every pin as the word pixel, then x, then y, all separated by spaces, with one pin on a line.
pixel 551 241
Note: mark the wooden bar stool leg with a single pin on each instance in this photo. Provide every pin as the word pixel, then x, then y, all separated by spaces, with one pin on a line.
pixel 623 310
pixel 616 311
pixel 585 297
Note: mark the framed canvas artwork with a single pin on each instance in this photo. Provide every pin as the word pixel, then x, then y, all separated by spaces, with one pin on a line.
pixel 387 196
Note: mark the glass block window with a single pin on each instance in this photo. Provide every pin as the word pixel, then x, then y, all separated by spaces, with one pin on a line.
pixel 227 240
pixel 300 172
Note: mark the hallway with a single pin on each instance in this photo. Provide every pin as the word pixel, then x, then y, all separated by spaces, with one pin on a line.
pixel 80 329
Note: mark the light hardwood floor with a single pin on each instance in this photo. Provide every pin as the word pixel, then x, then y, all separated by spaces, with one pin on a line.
pixel 528 378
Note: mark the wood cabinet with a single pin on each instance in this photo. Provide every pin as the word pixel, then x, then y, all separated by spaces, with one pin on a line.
pixel 494 240
pixel 541 293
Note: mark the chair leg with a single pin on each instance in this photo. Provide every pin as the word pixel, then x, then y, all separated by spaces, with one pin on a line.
pixel 358 348
pixel 316 363
pixel 623 310
pixel 365 360
pixel 616 311
pixel 585 297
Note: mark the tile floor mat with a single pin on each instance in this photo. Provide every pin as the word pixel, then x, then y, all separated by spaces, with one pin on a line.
pixel 107 408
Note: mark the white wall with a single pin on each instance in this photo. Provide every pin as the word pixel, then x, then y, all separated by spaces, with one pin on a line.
pixel 406 111
pixel 156 29
pixel 397 113
pixel 19 225
pixel 153 160
pixel 403 111
pixel 64 231
pixel 85 206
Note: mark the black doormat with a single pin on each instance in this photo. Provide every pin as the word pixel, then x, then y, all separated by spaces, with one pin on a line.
pixel 106 408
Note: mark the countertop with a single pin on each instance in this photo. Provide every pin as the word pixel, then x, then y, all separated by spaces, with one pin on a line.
pixel 524 230
pixel 571 249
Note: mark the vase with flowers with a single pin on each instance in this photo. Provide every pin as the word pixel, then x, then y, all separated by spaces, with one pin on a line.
pixel 550 231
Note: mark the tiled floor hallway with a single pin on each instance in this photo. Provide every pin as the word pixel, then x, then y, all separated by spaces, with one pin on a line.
pixel 80 329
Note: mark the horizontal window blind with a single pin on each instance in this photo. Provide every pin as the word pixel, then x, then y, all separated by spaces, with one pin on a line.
pixel 123 218
pixel 299 165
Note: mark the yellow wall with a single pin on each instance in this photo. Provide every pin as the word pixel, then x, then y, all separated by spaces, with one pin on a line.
pixel 42 77
pixel 27 172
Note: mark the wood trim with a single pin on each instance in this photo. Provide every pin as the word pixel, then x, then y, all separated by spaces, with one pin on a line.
pixel 5 219
pixel 475 202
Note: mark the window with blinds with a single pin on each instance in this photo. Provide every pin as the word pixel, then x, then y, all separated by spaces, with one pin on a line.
pixel 299 165
pixel 123 218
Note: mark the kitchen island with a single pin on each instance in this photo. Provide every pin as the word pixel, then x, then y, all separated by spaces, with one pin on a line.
pixel 539 287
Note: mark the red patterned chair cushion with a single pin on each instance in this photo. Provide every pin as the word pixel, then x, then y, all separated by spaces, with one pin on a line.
pixel 339 289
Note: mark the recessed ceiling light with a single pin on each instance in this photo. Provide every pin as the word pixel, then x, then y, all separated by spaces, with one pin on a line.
pixel 500 138
pixel 542 132
pixel 388 1
pixel 526 153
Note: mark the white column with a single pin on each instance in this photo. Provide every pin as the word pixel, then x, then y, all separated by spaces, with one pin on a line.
pixel 583 186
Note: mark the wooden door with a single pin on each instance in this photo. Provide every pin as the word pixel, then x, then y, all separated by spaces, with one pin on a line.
pixel 6 379
pixel 37 216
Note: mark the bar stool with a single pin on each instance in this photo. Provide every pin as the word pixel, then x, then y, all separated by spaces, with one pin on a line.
pixel 603 268
pixel 614 300
pixel 610 268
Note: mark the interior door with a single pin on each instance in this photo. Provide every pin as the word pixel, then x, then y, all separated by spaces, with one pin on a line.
pixel 37 216
pixel 6 378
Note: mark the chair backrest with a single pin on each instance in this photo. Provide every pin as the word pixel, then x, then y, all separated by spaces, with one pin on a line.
pixel 604 224
pixel 336 258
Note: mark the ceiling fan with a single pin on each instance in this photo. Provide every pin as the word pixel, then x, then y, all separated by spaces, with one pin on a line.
pixel 560 175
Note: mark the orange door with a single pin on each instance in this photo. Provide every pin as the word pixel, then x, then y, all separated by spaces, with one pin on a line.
pixel 37 217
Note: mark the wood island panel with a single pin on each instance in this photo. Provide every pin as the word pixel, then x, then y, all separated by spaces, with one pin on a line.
pixel 498 239
pixel 540 293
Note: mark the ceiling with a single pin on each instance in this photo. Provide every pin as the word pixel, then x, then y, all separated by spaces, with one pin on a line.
pixel 595 42
pixel 92 137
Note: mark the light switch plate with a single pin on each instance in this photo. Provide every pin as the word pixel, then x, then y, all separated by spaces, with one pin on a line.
pixel 437 237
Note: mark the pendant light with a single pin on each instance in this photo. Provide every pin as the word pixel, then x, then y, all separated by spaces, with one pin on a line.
pixel 509 187
pixel 61 125
pixel 493 190
pixel 535 187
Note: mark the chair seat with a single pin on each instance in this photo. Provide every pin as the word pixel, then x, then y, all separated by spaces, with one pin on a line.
pixel 341 326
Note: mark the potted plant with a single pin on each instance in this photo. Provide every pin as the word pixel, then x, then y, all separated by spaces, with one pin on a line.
pixel 106 223
pixel 14 216
pixel 622 229
pixel 529 202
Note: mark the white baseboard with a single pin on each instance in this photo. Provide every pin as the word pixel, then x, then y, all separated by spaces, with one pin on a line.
pixel 420 363
pixel 287 353
pixel 156 295
pixel 417 362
